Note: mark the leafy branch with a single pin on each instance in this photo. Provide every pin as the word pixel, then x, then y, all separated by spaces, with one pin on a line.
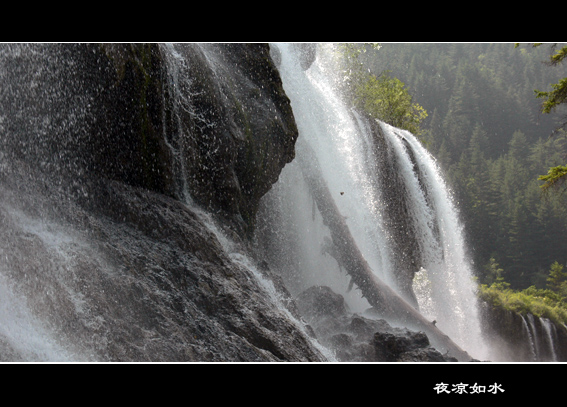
pixel 556 176
pixel 383 97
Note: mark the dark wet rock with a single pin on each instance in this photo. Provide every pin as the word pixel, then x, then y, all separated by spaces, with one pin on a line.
pixel 126 274
pixel 231 165
pixel 321 302
pixel 306 53
pixel 518 337
pixel 362 338
pixel 112 111
pixel 406 346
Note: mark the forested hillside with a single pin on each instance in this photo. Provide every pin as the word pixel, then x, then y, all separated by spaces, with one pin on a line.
pixel 485 128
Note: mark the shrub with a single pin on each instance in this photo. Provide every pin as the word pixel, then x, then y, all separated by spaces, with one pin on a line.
pixel 543 303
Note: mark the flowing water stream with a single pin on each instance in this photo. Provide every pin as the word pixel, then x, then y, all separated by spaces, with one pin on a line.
pixel 75 283
pixel 443 285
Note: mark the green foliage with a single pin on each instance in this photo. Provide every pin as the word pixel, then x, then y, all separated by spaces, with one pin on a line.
pixel 382 96
pixel 353 50
pixel 548 303
pixel 559 93
pixel 353 69
pixel 555 176
pixel 493 272
pixel 555 97
pixel 557 277
pixel 387 99
pixel 539 302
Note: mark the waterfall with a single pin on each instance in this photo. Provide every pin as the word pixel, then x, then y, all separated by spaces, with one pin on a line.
pixel 542 334
pixel 530 338
pixel 343 144
pixel 451 300
pixel 95 265
pixel 549 334
pixel 536 336
pixel 175 136
pixel 332 132
pixel 119 166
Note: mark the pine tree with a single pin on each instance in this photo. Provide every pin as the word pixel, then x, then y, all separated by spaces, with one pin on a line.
pixel 521 252
pixel 556 277
pixel 557 175
pixel 480 95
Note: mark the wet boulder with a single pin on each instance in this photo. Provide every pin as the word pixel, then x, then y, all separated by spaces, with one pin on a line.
pixel 209 120
pixel 306 52
pixel 361 338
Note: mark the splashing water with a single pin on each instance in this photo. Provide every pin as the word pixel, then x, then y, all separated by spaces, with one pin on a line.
pixel 22 333
pixel 299 239
pixel 343 143
pixel 451 299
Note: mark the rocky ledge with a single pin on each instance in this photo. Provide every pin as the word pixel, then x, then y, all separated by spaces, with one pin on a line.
pixel 361 338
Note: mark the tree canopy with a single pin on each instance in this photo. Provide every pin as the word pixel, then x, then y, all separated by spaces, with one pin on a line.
pixel 380 95
pixel 387 99
pixel 556 176
pixel 491 137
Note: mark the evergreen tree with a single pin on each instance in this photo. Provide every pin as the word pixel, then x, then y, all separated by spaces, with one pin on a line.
pixel 556 176
pixel 490 138
pixel 493 272
pixel 556 277
pixel 387 99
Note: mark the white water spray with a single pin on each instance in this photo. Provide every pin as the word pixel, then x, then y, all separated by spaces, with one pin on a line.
pixel 342 145
pixel 530 338
pixel 451 300
pixel 21 331
pixel 550 334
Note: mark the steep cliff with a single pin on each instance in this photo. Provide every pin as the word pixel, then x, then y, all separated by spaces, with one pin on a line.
pixel 523 338
pixel 130 179
pixel 102 256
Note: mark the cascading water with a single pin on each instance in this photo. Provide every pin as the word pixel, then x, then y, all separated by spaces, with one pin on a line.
pixel 334 135
pixel 105 254
pixel 451 299
pixel 542 338
pixel 343 146
pixel 21 331
pixel 95 268
pixel 530 339
pixel 176 138
pixel 550 336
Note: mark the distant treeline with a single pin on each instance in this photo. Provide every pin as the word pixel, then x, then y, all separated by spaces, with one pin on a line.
pixel 485 128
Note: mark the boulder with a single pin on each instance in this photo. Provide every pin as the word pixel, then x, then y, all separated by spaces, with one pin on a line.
pixel 406 346
pixel 215 121
pixel 361 338
pixel 306 52
pixel 319 302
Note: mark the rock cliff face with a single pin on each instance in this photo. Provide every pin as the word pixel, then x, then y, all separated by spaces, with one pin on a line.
pixel 362 338
pixel 94 234
pixel 225 111
pixel 127 274
pixel 103 256
pixel 520 338
pixel 115 111
pixel 238 125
